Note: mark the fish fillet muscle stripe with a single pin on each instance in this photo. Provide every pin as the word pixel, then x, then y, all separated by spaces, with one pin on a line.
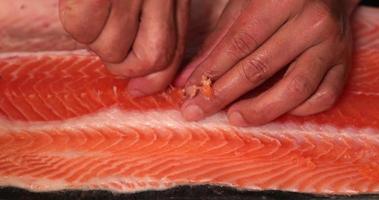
pixel 66 123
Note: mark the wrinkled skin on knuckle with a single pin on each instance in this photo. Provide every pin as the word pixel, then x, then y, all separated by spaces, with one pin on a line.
pixel 241 44
pixel 254 70
pixel 213 73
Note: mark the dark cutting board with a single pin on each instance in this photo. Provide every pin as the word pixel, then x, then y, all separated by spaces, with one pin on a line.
pixel 179 193
pixel 370 3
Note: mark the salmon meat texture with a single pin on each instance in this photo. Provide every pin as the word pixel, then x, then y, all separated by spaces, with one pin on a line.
pixel 66 123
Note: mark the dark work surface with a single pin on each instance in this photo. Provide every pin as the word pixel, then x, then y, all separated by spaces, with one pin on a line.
pixel 370 2
pixel 179 193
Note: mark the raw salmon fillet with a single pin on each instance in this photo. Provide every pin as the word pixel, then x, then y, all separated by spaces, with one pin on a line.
pixel 66 123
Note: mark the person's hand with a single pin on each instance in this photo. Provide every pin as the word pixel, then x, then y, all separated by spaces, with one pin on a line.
pixel 257 38
pixel 140 40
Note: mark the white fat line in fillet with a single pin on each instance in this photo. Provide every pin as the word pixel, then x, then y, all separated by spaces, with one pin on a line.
pixel 41 184
pixel 118 119
pixel 364 93
pixel 80 52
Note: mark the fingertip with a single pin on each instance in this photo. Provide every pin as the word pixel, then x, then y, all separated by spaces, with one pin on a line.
pixel 192 112
pixel 134 92
pixel 321 101
pixel 150 84
pixel 311 107
pixel 139 87
pixel 236 119
pixel 300 112
pixel 242 115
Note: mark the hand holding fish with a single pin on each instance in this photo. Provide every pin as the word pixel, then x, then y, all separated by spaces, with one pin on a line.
pixel 140 40
pixel 254 40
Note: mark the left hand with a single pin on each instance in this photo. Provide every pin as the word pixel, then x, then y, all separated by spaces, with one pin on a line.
pixel 142 40
pixel 313 38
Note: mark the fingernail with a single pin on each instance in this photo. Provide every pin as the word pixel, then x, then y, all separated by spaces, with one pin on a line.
pixel 237 119
pixel 135 93
pixel 193 113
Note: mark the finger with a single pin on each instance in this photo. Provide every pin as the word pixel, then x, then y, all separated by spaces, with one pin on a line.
pixel 84 20
pixel 154 46
pixel 228 17
pixel 152 83
pixel 118 34
pixel 327 93
pixel 250 30
pixel 296 86
pixel 158 81
pixel 254 69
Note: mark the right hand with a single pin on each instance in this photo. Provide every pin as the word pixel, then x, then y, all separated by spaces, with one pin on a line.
pixel 255 39
pixel 140 40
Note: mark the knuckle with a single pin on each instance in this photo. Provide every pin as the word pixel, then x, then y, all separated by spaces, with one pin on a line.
pixel 75 20
pixel 156 62
pixel 155 57
pixel 319 62
pixel 110 53
pixel 110 56
pixel 242 43
pixel 300 85
pixel 322 10
pixel 254 70
pixel 331 28
pixel 157 52
pixel 78 31
pixel 325 19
